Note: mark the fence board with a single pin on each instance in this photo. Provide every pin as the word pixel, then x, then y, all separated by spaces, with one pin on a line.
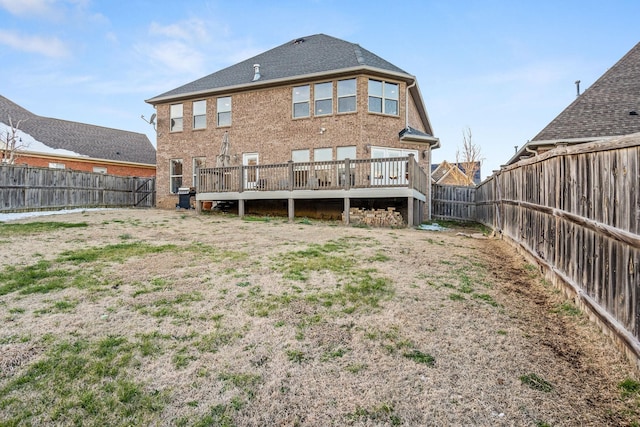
pixel 24 188
pixel 453 202
pixel 576 210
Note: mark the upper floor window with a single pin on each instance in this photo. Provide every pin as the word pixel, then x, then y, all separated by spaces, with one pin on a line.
pixel 383 97
pixel 175 175
pixel 346 96
pixel 323 97
pixel 301 101
pixel 300 155
pixel 224 111
pixel 200 114
pixel 176 117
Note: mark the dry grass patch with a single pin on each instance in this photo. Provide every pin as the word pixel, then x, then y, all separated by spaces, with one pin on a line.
pixel 170 318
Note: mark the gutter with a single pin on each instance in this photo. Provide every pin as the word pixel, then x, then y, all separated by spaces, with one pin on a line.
pixel 276 82
pixel 550 143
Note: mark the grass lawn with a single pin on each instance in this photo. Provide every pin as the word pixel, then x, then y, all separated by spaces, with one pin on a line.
pixel 151 317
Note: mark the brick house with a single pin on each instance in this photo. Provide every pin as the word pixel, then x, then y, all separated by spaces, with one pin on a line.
pixel 54 143
pixel 313 99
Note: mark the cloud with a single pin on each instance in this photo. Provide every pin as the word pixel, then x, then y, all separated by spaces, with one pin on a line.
pixel 47 46
pixel 176 47
pixel 27 7
pixel 190 30
pixel 176 56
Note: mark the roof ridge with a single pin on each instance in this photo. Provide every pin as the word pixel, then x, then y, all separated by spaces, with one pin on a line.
pixel 358 52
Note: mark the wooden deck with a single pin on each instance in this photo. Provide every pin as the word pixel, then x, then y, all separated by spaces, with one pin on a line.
pixel 398 177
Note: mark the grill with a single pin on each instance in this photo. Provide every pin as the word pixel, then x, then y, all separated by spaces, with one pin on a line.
pixel 185 195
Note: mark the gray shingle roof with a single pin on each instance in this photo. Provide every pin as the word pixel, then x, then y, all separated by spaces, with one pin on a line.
pixel 300 57
pixel 603 109
pixel 87 140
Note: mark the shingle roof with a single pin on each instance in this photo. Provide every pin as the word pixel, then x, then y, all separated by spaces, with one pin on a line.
pixel 87 140
pixel 301 57
pixel 604 108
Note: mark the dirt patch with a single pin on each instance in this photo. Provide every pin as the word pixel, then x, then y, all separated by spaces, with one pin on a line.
pixel 220 321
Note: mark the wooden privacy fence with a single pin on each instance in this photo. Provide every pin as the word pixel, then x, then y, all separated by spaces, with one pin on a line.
pixel 576 210
pixel 454 202
pixel 24 188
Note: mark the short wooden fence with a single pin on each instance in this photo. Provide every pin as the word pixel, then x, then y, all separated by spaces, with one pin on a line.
pixel 25 188
pixel 453 202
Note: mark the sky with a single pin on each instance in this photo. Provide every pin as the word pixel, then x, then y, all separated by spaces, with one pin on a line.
pixel 501 69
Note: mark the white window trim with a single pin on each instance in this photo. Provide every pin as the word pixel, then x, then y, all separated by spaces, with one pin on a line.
pixel 316 99
pixel 384 98
pixel 199 115
pixel 222 111
pixel 306 101
pixel 172 175
pixel 172 119
pixel 354 95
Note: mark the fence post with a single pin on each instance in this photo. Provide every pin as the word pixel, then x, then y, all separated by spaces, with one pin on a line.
pixel 241 178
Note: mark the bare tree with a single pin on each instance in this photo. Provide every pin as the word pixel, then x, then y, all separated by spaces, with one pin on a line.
pixel 11 143
pixel 470 159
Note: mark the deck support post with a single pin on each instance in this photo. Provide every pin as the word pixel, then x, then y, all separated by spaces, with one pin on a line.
pixel 291 208
pixel 241 208
pixel 347 208
pixel 410 212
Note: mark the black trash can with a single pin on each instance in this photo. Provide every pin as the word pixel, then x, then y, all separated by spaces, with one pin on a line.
pixel 184 197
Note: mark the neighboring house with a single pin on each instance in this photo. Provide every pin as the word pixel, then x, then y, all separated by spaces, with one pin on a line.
pixel 446 173
pixel 55 143
pixel 313 99
pixel 610 107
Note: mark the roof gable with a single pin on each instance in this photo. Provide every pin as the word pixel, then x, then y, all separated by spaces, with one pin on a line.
pixel 86 140
pixel 305 56
pixel 604 108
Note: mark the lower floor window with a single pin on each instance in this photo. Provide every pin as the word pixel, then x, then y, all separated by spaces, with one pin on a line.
pixel 175 174
pixel 53 165
pixel 198 163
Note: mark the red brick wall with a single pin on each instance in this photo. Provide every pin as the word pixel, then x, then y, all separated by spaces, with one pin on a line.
pixel 262 122
pixel 87 165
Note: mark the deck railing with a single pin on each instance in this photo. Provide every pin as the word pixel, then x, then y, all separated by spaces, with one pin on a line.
pixel 329 175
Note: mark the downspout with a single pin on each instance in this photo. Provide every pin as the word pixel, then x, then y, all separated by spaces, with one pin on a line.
pixel 406 106
pixel 529 150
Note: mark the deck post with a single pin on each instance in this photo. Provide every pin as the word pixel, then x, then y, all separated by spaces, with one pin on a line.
pixel 241 208
pixel 410 171
pixel 291 208
pixel 410 212
pixel 291 175
pixel 347 208
pixel 347 175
